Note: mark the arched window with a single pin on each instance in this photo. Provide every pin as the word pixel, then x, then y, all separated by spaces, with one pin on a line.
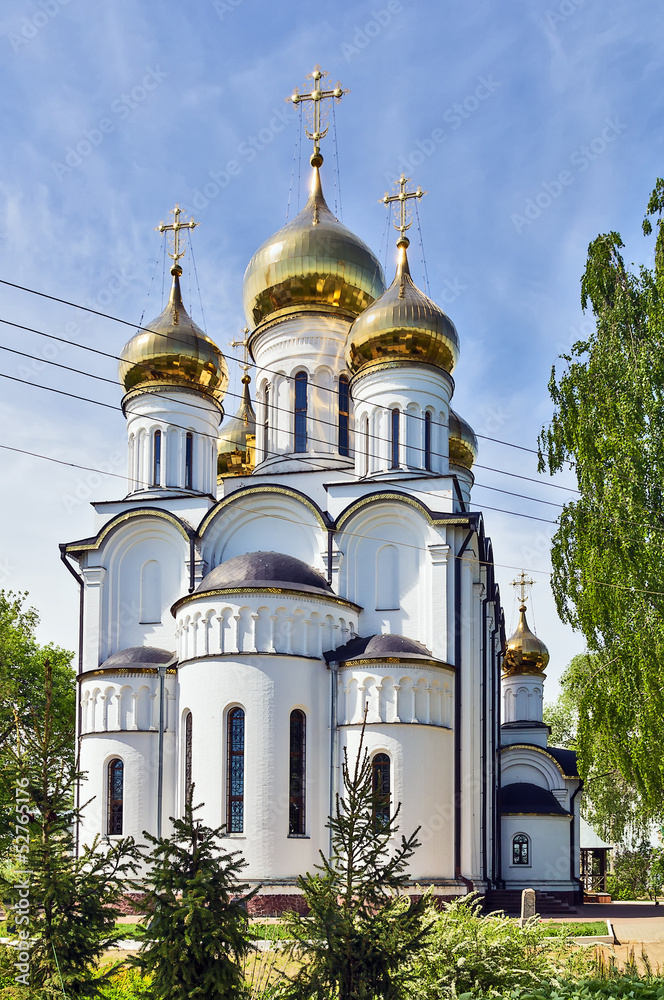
pixel 366 446
pixel 427 440
pixel 380 767
pixel 300 441
pixel 188 736
pixel 395 438
pixel 297 773
pixel 188 460
pixel 344 400
pixel 235 777
pixel 387 578
pixel 520 849
pixel 115 798
pixel 156 459
pixel 150 592
pixel 266 423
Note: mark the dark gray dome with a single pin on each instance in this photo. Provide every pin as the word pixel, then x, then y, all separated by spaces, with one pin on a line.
pixel 523 798
pixel 380 647
pixel 137 657
pixel 269 569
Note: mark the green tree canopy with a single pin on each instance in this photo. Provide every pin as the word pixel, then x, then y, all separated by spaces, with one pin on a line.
pixel 608 551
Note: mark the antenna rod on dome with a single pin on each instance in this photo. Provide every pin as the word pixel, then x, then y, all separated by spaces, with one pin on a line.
pixel 174 227
pixel 319 110
pixel 402 197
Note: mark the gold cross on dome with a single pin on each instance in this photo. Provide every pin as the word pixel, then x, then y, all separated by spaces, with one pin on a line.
pixel 522 582
pixel 174 227
pixel 319 110
pixel 244 344
pixel 402 197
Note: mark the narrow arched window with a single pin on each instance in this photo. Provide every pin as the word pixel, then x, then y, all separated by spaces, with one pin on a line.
pixel 380 767
pixel 156 459
pixel 297 773
pixel 150 593
pixel 188 738
pixel 115 798
pixel 344 400
pixel 235 778
pixel 266 423
pixel 188 460
pixel 395 439
pixel 300 441
pixel 520 849
pixel 427 440
pixel 366 446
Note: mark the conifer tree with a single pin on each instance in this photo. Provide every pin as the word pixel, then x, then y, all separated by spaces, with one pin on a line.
pixel 61 907
pixel 362 930
pixel 197 935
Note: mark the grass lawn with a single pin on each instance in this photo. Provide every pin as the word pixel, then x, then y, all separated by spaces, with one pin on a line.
pixel 582 928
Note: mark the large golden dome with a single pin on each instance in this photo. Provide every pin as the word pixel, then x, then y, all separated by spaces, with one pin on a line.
pixel 314 262
pixel 174 351
pixel 524 653
pixel 402 325
pixel 463 443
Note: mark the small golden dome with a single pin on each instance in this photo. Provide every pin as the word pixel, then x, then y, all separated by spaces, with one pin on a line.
pixel 174 351
pixel 237 439
pixel 524 653
pixel 403 325
pixel 463 443
pixel 314 262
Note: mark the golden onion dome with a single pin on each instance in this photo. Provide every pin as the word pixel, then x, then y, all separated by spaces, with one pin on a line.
pixel 313 263
pixel 524 653
pixel 236 455
pixel 463 443
pixel 402 325
pixel 174 351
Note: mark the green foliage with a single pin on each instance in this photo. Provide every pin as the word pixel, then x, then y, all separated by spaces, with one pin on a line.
pixel 362 932
pixel 581 928
pixel 472 955
pixel 62 904
pixel 624 988
pixel 197 934
pixel 608 551
pixel 22 696
pixel 126 984
pixel 637 874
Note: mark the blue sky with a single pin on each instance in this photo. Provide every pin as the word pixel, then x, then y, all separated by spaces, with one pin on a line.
pixel 533 126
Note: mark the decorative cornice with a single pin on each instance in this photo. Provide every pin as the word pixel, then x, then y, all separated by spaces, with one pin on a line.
pixel 542 750
pixel 375 661
pixel 90 544
pixel 257 491
pixel 382 496
pixel 123 672
pixel 305 596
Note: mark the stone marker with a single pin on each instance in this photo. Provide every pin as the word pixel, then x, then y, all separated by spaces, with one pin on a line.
pixel 527 905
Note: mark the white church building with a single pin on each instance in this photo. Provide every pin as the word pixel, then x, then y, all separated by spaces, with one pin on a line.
pixel 268 577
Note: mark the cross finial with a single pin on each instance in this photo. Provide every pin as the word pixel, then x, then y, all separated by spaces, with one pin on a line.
pixel 402 197
pixel 319 110
pixel 245 345
pixel 174 227
pixel 522 582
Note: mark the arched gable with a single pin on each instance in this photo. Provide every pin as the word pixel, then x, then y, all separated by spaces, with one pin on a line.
pixel 528 764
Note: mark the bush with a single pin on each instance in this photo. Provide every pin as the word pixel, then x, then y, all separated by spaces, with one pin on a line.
pixel 473 955
pixel 625 987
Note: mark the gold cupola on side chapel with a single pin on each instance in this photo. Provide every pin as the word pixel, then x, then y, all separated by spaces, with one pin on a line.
pixel 524 662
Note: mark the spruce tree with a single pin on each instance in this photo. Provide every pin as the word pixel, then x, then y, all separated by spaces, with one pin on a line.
pixel 362 930
pixel 197 934
pixel 61 907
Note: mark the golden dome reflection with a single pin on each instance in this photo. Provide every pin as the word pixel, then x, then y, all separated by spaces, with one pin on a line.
pixel 237 439
pixel 403 325
pixel 463 443
pixel 314 262
pixel 174 351
pixel 524 652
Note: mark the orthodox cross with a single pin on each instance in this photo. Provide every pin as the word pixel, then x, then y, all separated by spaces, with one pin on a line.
pixel 244 344
pixel 522 582
pixel 174 227
pixel 403 197
pixel 317 95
